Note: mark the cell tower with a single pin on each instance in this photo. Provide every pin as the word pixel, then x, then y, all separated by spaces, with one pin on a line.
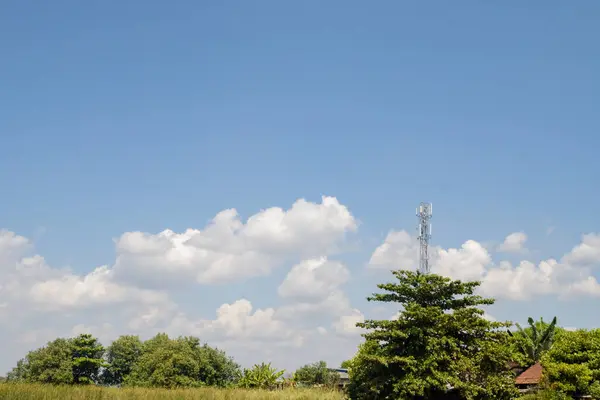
pixel 424 212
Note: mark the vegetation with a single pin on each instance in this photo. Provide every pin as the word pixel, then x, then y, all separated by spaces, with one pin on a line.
pixel 440 346
pixel 533 341
pixel 35 392
pixel 261 376
pixel 316 374
pixel 158 362
pixel 440 342
pixel 572 364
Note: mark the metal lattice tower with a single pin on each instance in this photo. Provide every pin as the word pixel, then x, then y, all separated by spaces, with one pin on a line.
pixel 424 212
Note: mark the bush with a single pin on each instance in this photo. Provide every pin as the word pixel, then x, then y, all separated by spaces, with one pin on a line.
pixel 546 394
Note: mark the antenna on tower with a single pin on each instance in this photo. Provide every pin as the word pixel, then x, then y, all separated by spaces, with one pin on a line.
pixel 424 212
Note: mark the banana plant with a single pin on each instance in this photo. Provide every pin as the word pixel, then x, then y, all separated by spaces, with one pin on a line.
pixel 534 340
pixel 261 376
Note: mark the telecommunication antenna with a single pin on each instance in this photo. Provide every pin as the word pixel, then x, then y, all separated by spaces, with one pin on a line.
pixel 424 212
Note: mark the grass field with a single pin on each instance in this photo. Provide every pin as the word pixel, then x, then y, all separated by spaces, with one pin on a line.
pixel 28 391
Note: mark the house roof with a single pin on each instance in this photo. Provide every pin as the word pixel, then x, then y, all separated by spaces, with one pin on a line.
pixel 343 372
pixel 531 376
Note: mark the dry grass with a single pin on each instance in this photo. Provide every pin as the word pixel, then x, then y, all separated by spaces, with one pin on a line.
pixel 31 392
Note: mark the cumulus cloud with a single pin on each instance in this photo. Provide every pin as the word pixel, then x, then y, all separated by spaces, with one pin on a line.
pixel 95 288
pixel 513 243
pixel 229 249
pixel 570 276
pixel 239 322
pixel 314 288
pixel 399 250
pixel 314 280
pixel 587 253
pixel 346 324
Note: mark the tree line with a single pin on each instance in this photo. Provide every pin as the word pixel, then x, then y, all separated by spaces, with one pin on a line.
pixel 440 346
pixel 157 362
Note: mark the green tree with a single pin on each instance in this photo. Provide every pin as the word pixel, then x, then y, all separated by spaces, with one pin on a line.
pixel 165 362
pixel 52 363
pixel 439 341
pixel 216 368
pixel 316 374
pixel 87 359
pixel 572 364
pixel 181 362
pixel 534 340
pixel 346 364
pixel 121 356
pixel 261 376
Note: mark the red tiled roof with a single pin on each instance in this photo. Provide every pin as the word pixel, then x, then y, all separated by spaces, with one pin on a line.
pixel 531 376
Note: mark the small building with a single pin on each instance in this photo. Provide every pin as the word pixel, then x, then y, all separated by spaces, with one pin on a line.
pixel 344 377
pixel 530 378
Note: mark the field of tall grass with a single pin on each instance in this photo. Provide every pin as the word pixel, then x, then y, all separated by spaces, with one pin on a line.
pixel 35 392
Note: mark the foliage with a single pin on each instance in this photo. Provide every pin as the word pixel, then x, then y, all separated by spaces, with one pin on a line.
pixel 261 376
pixel 87 360
pixel 533 341
pixel 546 394
pixel 89 392
pixel 572 365
pixel 62 361
pixel 121 355
pixel 181 362
pixel 52 363
pixel 158 362
pixel 346 363
pixel 439 340
pixel 167 363
pixel 316 374
pixel 216 368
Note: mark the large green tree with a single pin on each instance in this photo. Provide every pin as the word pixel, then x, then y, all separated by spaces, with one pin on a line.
pixel 531 342
pixel 181 362
pixel 216 367
pixel 87 359
pixel 52 363
pixel 572 364
pixel 439 342
pixel 166 363
pixel 121 356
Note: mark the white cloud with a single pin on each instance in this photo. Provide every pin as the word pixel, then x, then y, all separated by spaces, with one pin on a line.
pixel 346 324
pixel 513 243
pixel 570 276
pixel 228 249
pixel 95 288
pixel 400 250
pixel 314 280
pixel 587 253
pixel 239 323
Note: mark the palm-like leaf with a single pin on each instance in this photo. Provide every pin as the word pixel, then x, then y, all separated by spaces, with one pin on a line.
pixel 536 338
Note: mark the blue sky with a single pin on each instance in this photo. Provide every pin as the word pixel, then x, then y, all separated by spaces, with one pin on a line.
pixel 141 116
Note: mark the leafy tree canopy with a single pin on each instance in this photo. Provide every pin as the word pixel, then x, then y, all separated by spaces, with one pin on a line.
pixel 181 362
pixel 439 341
pixel 158 362
pixel 316 374
pixel 87 353
pixel 62 361
pixel 572 365
pixel 121 356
